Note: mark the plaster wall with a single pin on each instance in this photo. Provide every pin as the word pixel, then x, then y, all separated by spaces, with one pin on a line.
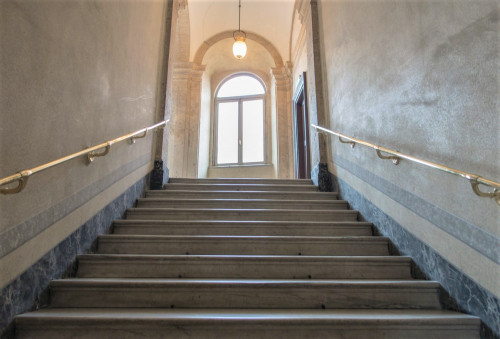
pixel 422 78
pixel 74 74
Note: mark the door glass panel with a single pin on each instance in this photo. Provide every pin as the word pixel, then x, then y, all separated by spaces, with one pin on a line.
pixel 227 138
pixel 253 131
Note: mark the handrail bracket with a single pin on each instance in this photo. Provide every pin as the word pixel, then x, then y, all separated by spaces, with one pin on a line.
pixel 21 184
pixel 395 159
pixel 475 187
pixel 92 155
pixel 347 142
pixel 132 139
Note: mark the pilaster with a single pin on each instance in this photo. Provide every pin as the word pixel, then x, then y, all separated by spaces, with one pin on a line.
pixel 283 78
pixel 185 119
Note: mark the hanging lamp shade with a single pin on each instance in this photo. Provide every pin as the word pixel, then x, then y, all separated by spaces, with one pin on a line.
pixel 239 46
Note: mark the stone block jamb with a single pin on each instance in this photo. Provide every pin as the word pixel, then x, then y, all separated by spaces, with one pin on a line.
pixel 159 174
pixel 309 16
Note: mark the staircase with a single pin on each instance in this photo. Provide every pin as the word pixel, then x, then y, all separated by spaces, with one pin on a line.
pixel 244 258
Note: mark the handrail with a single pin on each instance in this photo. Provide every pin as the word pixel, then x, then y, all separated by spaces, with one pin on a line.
pixel 395 156
pixel 91 152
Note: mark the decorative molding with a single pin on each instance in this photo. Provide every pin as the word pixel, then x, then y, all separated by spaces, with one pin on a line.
pixel 202 50
pixel 188 71
pixel 181 5
pixel 283 77
pixel 300 43
pixel 303 10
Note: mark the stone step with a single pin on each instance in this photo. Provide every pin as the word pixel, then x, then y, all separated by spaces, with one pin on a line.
pixel 243 267
pixel 222 293
pixel 197 194
pixel 242 187
pixel 242 203
pixel 245 181
pixel 242 245
pixel 262 228
pixel 245 324
pixel 240 214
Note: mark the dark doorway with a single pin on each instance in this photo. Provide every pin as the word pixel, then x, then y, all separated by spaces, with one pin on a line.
pixel 301 130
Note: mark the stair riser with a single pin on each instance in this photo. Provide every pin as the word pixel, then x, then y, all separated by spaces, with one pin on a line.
pixel 272 188
pixel 244 269
pixel 244 230
pixel 244 329
pixel 178 194
pixel 240 215
pixel 249 204
pixel 208 247
pixel 241 181
pixel 305 297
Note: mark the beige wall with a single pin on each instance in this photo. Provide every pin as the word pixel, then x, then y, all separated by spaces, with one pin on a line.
pixel 74 74
pixel 422 78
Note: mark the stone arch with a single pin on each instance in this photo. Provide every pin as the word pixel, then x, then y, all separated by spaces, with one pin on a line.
pixel 200 53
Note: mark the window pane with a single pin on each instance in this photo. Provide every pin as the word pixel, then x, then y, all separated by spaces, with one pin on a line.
pixel 240 86
pixel 253 131
pixel 227 137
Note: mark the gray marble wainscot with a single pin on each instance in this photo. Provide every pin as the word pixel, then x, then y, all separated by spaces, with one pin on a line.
pixel 464 294
pixel 29 290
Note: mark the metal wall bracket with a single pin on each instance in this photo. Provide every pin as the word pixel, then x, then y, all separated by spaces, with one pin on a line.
pixel 21 184
pixel 92 155
pixel 347 142
pixel 132 139
pixel 475 187
pixel 395 159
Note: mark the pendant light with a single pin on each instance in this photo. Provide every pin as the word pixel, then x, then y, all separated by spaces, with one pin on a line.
pixel 239 46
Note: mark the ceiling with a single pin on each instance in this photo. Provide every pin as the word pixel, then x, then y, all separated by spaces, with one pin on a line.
pixel 271 19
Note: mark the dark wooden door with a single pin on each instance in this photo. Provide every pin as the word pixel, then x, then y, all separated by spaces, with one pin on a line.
pixel 301 131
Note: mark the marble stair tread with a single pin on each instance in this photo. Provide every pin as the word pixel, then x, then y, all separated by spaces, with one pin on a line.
pixel 240 181
pixel 242 187
pixel 289 195
pixel 244 266
pixel 200 227
pixel 247 323
pixel 240 214
pixel 242 203
pixel 220 293
pixel 223 244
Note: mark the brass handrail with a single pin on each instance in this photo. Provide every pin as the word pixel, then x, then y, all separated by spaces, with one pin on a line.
pixel 395 156
pixel 91 153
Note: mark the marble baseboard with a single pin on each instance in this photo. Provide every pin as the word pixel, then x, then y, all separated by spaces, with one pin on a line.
pixel 29 290
pixel 159 175
pixel 322 178
pixel 467 295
